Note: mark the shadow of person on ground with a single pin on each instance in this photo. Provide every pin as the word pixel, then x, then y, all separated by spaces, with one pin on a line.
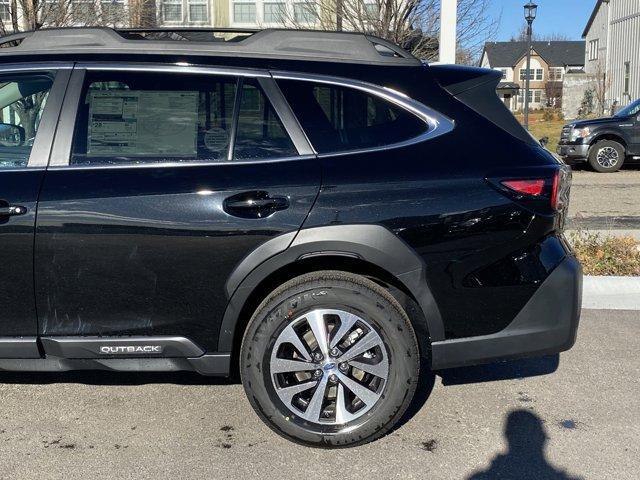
pixel 525 458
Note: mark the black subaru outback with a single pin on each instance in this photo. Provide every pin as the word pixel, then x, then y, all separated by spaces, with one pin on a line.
pixel 319 212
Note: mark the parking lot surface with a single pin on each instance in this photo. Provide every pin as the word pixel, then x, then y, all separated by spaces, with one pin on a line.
pixel 498 421
pixel 605 201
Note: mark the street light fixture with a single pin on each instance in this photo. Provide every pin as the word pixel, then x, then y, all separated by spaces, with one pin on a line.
pixel 530 12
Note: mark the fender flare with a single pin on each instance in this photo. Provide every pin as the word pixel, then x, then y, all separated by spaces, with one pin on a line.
pixel 374 244
pixel 613 133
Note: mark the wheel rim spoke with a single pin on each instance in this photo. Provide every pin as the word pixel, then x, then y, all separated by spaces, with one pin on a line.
pixel 360 391
pixel 283 365
pixel 342 414
pixel 380 369
pixel 286 394
pixel 347 321
pixel 289 335
pixel 314 409
pixel 370 340
pixel 315 319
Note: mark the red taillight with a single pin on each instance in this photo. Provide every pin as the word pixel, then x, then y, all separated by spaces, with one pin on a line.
pixel 555 189
pixel 544 190
pixel 534 188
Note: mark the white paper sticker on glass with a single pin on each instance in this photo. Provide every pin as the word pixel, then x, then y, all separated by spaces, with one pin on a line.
pixel 143 123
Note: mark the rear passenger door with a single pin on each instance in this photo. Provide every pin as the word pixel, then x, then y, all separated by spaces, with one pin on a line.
pixel 161 180
pixel 30 101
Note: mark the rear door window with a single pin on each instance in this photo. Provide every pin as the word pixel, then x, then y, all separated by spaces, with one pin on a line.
pixel 337 118
pixel 23 98
pixel 144 117
pixel 260 132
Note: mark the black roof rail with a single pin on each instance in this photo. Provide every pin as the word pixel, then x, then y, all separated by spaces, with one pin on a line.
pixel 312 45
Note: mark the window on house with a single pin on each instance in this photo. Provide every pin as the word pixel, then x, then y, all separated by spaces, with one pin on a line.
pixel 556 73
pixel 244 12
pixel 275 12
pixel 198 11
pixel 504 73
pixel 371 11
pixel 112 11
pixel 523 74
pixel 539 74
pixel 172 10
pixel 594 46
pixel 627 77
pixel 5 10
pixel 535 96
pixel 341 119
pixel 305 12
pixel 83 11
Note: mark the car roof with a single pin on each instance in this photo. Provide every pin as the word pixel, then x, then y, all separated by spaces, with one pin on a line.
pixel 310 45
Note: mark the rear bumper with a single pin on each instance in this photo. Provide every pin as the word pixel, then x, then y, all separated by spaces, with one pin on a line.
pixel 547 324
pixel 573 152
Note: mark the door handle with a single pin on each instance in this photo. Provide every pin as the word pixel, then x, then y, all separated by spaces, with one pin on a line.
pixel 257 204
pixel 10 210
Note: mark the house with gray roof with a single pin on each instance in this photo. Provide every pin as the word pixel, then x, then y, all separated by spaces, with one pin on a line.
pixel 550 61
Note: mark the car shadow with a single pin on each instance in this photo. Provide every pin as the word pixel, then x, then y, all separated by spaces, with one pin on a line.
pixel 508 370
pixel 525 458
pixel 110 378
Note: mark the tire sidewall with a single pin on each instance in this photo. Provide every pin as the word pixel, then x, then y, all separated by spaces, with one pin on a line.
pixel 398 337
pixel 593 154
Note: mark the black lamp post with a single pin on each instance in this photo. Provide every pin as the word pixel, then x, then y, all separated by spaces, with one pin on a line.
pixel 530 10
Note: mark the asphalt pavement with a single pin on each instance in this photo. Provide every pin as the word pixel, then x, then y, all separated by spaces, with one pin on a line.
pixel 509 421
pixel 606 201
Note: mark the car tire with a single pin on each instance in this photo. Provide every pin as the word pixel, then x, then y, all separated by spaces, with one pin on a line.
pixel 606 156
pixel 345 406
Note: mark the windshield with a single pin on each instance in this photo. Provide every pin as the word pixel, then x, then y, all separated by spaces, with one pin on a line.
pixel 629 110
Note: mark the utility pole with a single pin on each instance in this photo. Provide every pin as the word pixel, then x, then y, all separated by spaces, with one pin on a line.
pixel 530 10
pixel 448 26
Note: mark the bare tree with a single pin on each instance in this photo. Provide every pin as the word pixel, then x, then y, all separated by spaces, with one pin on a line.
pixel 27 15
pixel 553 93
pixel 601 83
pixel 521 36
pixel 413 24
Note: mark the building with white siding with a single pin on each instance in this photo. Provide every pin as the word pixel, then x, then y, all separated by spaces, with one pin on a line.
pixel 612 49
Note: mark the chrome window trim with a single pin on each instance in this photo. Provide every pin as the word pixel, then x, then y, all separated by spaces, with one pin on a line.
pixel 193 164
pixel 173 68
pixel 61 161
pixel 34 67
pixel 438 124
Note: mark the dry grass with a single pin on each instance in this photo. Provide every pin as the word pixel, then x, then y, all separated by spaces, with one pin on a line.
pixel 544 128
pixel 606 255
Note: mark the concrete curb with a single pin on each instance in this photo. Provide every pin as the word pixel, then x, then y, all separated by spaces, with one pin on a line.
pixel 611 293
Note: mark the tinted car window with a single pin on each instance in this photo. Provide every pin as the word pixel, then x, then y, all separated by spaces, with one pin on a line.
pixel 138 117
pixel 22 102
pixel 260 132
pixel 339 119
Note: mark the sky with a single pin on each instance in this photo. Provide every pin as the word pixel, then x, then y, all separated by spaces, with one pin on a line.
pixel 568 17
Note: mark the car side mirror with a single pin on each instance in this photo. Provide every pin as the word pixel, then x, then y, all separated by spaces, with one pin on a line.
pixel 544 141
pixel 11 135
